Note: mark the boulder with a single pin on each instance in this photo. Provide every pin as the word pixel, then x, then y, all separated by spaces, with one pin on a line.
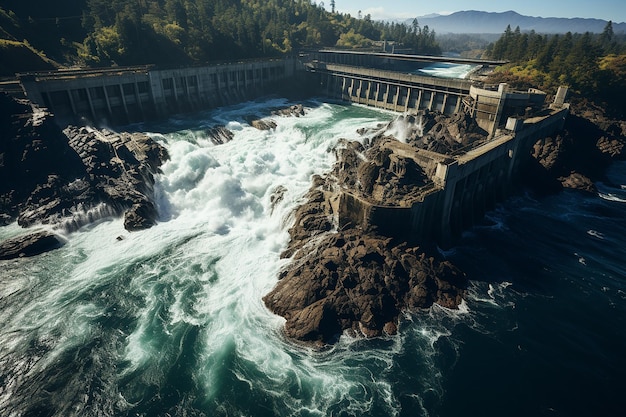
pixel 30 245
pixel 140 216
pixel 577 181
pixel 260 124
pixel 219 134
pixel 296 110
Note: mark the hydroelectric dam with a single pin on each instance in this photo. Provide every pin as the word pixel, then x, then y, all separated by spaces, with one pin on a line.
pixel 462 186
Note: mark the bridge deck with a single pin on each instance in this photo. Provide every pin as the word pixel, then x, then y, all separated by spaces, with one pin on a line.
pixel 416 58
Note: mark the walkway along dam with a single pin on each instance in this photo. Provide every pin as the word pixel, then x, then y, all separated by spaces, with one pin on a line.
pixel 461 186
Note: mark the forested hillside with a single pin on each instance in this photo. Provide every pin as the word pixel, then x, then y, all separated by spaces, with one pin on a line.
pixel 173 32
pixel 592 65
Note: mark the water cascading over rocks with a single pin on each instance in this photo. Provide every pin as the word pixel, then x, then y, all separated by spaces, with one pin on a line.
pixel 70 178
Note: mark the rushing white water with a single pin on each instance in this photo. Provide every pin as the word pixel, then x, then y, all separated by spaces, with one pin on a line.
pixel 186 295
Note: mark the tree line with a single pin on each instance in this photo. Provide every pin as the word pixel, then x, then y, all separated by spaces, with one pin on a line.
pixel 180 32
pixel 592 65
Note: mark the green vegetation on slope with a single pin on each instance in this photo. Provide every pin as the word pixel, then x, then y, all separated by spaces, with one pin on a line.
pixel 593 66
pixel 180 32
pixel 14 56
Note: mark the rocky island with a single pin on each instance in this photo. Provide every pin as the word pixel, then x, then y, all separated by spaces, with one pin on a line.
pixel 345 276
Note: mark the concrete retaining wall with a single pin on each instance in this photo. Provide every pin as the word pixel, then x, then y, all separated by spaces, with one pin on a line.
pixel 463 189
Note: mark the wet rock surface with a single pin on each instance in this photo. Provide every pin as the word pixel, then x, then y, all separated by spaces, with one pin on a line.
pixel 578 156
pixel 362 283
pixel 219 134
pixel 71 177
pixel 261 123
pixel 296 110
pixel 435 132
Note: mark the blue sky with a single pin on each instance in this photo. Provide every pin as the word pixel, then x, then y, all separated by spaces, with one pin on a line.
pixel 614 10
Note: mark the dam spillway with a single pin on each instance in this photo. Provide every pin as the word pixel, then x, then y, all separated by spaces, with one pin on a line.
pixel 461 187
pixel 390 90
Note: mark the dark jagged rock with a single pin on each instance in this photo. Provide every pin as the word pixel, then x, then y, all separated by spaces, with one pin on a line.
pixel 277 196
pixel 295 110
pixel 32 148
pixel 219 134
pixel 348 280
pixel 578 181
pixel 578 156
pixel 30 245
pixel 436 132
pixel 261 124
pixel 72 177
pixel 142 215
pixel 379 172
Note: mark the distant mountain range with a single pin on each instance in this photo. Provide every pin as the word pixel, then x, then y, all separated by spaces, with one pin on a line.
pixel 472 21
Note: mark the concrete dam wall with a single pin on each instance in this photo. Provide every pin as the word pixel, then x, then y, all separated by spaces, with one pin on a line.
pixel 389 90
pixel 119 96
pixel 463 186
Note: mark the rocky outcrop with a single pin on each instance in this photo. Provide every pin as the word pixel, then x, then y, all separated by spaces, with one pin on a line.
pixel 578 156
pixel 35 157
pixel 261 124
pixel 73 177
pixel 436 132
pixel 353 279
pixel 120 168
pixel 295 110
pixel 359 282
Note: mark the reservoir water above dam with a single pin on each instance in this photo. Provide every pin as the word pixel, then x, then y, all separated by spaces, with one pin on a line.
pixel 170 320
pixel 446 70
